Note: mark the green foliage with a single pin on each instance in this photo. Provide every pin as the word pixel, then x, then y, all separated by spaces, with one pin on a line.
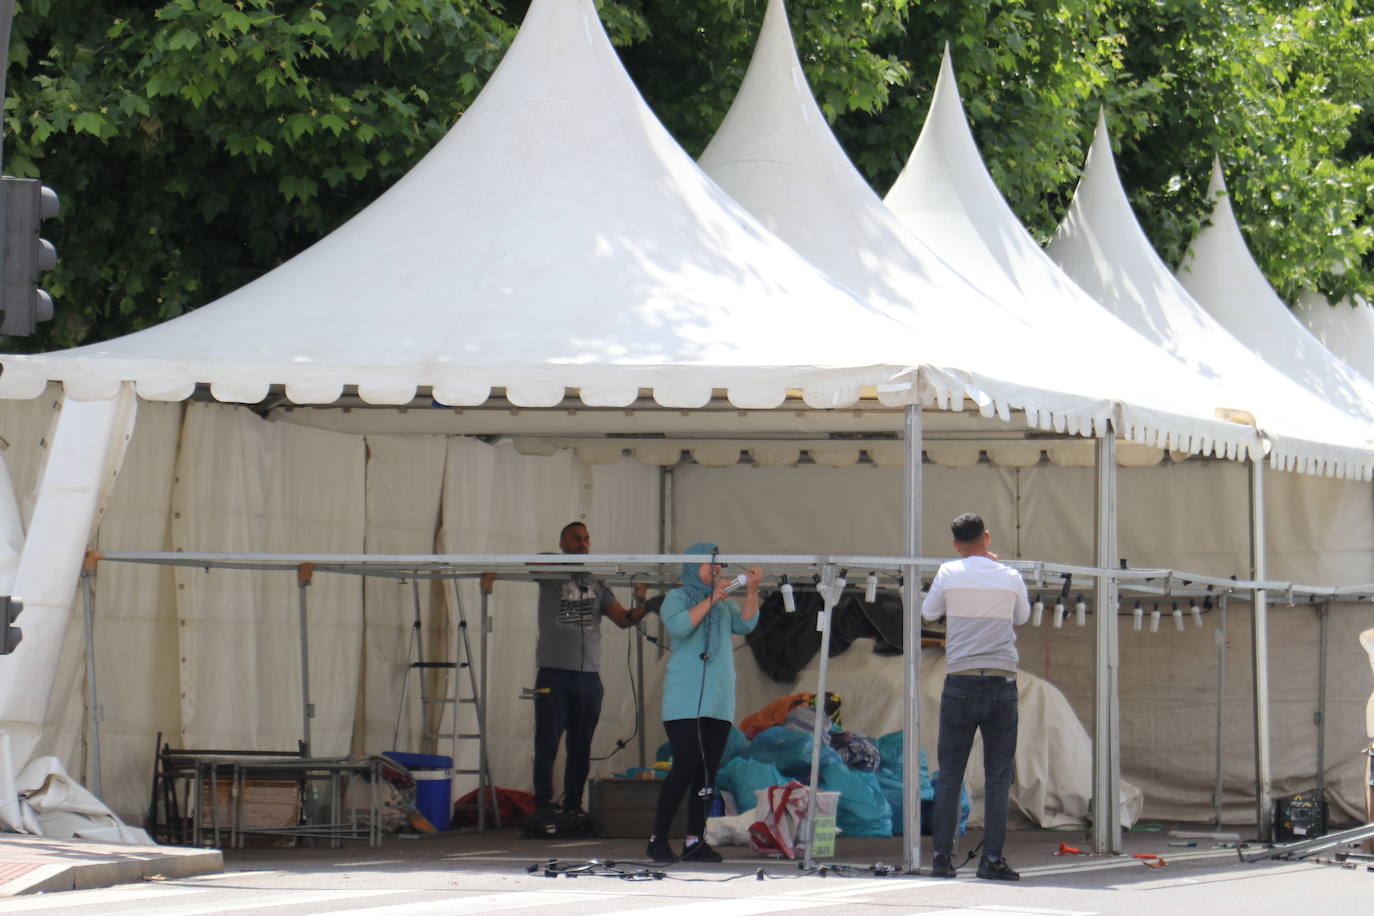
pixel 199 143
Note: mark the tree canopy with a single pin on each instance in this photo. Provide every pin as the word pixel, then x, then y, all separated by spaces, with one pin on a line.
pixel 199 143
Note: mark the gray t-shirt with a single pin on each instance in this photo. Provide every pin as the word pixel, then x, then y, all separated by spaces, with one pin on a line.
pixel 570 610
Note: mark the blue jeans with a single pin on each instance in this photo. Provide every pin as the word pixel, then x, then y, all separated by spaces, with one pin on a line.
pixel 572 705
pixel 971 704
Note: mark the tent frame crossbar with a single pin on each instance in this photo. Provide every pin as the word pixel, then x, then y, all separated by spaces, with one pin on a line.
pixel 652 569
pixel 647 567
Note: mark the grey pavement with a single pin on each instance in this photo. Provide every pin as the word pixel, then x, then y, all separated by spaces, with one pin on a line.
pixel 458 873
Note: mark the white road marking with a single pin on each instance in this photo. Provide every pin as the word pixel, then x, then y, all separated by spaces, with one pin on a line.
pixel 577 843
pixel 38 902
pixel 268 899
pixel 1007 911
pixel 482 903
pixel 742 906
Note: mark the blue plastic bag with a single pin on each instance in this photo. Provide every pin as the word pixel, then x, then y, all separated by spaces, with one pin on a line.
pixel 863 810
pixel 789 750
pixel 734 746
pixel 742 777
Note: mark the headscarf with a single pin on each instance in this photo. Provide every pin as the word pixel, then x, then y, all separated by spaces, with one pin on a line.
pixel 697 590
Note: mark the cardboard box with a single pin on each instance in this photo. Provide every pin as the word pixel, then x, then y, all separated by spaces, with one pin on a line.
pixel 625 807
pixel 265 803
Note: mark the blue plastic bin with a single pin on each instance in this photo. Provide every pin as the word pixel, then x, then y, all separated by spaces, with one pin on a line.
pixel 433 775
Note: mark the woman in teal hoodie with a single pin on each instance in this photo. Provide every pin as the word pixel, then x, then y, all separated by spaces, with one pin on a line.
pixel 699 694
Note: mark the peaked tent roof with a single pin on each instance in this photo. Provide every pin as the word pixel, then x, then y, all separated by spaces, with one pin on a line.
pixel 556 238
pixel 1101 245
pixel 946 198
pixel 1347 330
pixel 1219 272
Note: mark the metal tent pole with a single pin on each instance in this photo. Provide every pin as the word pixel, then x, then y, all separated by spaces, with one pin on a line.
pixel 1219 634
pixel 94 712
pixel 1106 825
pixel 304 573
pixel 911 640
pixel 831 589
pixel 1264 820
pixel 1324 629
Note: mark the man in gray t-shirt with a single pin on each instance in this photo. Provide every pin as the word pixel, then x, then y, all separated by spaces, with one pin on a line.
pixel 567 687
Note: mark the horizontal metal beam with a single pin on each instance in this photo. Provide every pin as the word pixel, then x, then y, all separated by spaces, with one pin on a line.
pixel 1038 574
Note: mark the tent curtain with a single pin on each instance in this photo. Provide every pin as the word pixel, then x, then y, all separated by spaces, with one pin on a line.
pixel 248 486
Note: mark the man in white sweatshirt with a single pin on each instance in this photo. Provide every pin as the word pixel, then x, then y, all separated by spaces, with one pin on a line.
pixel 981 600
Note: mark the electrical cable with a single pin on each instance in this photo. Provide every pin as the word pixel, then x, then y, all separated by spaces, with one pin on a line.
pixel 622 743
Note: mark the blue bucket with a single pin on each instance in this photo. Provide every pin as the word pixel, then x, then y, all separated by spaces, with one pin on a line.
pixel 433 796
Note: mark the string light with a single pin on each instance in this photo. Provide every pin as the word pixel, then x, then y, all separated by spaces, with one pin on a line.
pixel 1197 614
pixel 1037 611
pixel 1139 615
pixel 789 600
pixel 1154 619
pixel 1178 618
pixel 871 588
pixel 1059 613
pixel 1080 611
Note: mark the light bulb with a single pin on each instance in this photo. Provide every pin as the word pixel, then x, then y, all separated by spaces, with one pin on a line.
pixel 1037 612
pixel 871 588
pixel 1178 618
pixel 1154 619
pixel 1139 615
pixel 789 601
pixel 1059 613
pixel 1197 614
pixel 1080 612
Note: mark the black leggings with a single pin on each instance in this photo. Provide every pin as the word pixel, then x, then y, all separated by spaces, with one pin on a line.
pixel 688 773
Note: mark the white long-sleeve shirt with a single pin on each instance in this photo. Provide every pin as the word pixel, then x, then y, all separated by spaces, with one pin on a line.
pixel 982 601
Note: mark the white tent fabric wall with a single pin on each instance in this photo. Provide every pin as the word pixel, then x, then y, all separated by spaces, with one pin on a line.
pixel 136 645
pixel 88 443
pixel 404 496
pixel 623 518
pixel 248 486
pixel 1346 329
pixel 498 501
pixel 1188 517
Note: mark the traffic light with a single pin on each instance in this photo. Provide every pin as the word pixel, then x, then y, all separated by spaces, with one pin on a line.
pixel 26 202
pixel 10 609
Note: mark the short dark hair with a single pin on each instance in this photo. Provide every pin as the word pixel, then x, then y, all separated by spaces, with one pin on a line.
pixel 569 526
pixel 967 528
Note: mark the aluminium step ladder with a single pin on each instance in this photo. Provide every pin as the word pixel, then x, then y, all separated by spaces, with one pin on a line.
pixel 441 715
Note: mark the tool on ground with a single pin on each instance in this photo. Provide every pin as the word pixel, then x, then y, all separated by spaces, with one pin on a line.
pixel 1066 850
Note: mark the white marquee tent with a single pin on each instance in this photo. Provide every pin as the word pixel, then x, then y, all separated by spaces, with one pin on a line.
pixel 1220 274
pixel 610 282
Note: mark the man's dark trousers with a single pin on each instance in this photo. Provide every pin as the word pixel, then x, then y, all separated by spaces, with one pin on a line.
pixel 572 705
pixel 969 704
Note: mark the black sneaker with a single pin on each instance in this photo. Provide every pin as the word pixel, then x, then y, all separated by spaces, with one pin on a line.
pixel 942 867
pixel 701 851
pixel 996 870
pixel 659 851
